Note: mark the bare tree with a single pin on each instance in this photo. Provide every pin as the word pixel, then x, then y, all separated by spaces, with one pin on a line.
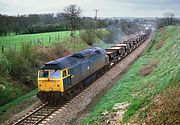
pixel 169 18
pixel 72 15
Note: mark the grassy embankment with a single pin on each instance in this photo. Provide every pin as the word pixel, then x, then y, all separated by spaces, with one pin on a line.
pixel 18 67
pixel 150 86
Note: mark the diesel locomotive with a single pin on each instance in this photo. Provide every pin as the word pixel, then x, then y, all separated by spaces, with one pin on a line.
pixel 70 74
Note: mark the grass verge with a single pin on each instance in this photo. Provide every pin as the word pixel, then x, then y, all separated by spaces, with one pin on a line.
pixel 139 90
pixel 5 109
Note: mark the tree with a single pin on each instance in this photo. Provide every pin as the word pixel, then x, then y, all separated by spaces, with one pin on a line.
pixel 72 15
pixel 88 35
pixel 169 18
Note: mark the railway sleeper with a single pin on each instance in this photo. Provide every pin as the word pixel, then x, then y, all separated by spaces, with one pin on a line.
pixel 42 115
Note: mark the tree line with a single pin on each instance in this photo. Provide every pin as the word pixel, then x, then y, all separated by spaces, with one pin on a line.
pixel 69 19
pixel 39 23
pixel 167 19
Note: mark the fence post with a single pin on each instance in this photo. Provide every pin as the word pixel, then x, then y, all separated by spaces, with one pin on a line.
pixel 49 39
pixel 34 43
pixel 42 43
pixel 2 49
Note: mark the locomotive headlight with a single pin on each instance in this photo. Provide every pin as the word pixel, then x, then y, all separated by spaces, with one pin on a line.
pixel 50 89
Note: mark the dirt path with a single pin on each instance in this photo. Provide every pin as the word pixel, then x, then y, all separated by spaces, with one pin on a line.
pixel 67 113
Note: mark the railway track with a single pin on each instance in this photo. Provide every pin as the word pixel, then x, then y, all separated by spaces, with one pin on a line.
pixel 37 115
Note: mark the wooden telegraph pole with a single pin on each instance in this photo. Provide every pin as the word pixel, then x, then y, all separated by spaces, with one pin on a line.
pixel 96 13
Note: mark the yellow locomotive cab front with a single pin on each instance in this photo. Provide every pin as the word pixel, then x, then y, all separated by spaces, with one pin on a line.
pixel 50 81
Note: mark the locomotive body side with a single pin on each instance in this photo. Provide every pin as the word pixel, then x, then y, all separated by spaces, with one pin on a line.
pixel 95 61
pixel 57 77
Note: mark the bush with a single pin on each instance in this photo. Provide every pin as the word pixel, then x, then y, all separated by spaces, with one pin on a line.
pixel 88 36
pixel 21 64
pixel 28 52
pixel 18 63
pixel 17 67
pixel 9 93
pixel 100 34
pixel 52 52
pixel 5 67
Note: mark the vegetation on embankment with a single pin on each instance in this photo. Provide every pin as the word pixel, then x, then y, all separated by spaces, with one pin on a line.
pixel 17 105
pixel 150 86
pixel 18 68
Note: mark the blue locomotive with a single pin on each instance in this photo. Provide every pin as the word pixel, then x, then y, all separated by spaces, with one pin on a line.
pixel 61 76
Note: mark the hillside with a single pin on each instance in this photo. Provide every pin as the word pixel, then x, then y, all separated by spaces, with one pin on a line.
pixel 149 92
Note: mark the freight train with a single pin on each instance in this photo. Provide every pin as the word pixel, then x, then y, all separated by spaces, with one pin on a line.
pixel 66 76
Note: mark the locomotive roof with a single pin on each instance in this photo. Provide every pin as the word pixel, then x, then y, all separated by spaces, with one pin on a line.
pixel 71 60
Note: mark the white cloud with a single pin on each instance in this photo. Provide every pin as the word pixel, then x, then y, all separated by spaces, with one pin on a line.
pixel 108 8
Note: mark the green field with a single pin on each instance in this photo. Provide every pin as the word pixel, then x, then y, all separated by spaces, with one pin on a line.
pixel 140 84
pixel 43 38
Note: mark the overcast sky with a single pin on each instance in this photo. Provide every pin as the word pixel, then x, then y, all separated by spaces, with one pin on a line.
pixel 107 8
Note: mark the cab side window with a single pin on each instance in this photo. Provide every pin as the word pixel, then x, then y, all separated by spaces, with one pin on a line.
pixel 64 73
pixel 98 52
pixel 68 72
